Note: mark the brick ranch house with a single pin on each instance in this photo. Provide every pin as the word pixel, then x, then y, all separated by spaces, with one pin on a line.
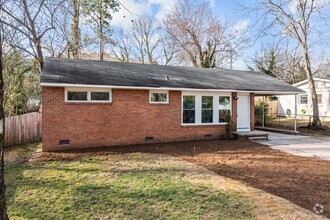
pixel 94 103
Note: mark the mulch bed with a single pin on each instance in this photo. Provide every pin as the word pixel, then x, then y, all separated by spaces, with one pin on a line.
pixel 301 180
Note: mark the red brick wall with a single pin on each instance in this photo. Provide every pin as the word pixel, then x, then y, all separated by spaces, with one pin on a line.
pixel 127 120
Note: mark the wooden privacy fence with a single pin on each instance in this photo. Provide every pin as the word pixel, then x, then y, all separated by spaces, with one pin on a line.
pixel 23 129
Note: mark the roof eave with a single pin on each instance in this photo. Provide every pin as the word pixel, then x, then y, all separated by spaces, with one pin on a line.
pixel 44 84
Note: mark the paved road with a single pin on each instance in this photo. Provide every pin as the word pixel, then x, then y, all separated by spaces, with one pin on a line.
pixel 307 146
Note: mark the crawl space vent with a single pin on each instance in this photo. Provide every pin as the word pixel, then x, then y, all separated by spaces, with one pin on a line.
pixel 149 139
pixel 207 136
pixel 64 142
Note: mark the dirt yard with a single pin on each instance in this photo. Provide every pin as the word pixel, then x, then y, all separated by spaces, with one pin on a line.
pixel 303 181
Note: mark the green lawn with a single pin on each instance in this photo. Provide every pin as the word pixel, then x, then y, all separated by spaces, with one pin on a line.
pixel 117 186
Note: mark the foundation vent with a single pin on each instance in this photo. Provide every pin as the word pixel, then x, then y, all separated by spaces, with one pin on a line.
pixel 64 142
pixel 207 137
pixel 149 139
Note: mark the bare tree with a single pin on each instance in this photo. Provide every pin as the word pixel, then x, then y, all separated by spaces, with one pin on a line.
pixel 145 39
pixel 193 28
pixel 122 47
pixel 169 50
pixel 32 20
pixel 298 20
pixel 283 63
pixel 75 29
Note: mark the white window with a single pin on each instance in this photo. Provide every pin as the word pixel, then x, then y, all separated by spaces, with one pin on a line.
pixel 207 109
pixel 77 96
pixel 189 109
pixel 159 97
pixel 303 99
pixel 87 95
pixel 200 108
pixel 224 108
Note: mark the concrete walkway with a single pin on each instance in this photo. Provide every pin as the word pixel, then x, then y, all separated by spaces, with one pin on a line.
pixel 306 146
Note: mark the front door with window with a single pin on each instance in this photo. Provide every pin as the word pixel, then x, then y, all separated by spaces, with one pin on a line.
pixel 243 113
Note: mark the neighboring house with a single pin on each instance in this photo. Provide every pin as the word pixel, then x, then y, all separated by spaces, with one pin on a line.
pixel 93 103
pixel 304 100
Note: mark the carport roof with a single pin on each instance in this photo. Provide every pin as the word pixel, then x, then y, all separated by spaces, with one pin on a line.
pixel 88 73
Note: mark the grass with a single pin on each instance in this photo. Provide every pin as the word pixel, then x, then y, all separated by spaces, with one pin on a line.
pixel 117 186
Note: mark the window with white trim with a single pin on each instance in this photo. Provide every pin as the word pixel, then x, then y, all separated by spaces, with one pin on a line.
pixel 188 109
pixel 88 95
pixel 205 108
pixel 77 96
pixel 303 99
pixel 159 97
pixel 224 108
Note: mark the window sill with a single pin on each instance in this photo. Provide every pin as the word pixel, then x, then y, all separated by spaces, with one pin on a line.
pixel 158 103
pixel 75 102
pixel 204 124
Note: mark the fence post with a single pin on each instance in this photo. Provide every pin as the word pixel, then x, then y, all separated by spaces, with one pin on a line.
pixel 263 112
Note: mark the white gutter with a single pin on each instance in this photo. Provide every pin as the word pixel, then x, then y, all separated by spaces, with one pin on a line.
pixel 163 88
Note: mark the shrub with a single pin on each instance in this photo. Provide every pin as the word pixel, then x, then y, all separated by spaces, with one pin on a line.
pixel 229 127
pixel 260 109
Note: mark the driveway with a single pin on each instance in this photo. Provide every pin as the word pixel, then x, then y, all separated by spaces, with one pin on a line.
pixel 301 145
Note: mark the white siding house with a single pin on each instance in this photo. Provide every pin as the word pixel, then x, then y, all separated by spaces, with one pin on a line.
pixel 286 104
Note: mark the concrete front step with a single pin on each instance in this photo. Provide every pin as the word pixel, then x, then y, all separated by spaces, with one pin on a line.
pixel 251 135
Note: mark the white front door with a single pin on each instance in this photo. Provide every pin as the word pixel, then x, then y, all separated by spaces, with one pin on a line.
pixel 243 113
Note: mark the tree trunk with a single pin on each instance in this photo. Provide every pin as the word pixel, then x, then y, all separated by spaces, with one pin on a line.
pixel 316 117
pixel 39 54
pixel 101 32
pixel 3 210
pixel 75 29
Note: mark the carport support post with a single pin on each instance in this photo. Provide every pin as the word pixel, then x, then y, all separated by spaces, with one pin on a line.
pixel 295 113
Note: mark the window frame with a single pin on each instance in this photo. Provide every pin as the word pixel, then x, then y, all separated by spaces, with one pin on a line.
pixel 230 107
pixel 89 91
pixel 182 110
pixel 306 99
pixel 159 92
pixel 207 109
pixel 198 107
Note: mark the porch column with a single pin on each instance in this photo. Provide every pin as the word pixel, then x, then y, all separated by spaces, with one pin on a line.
pixel 252 119
pixel 234 110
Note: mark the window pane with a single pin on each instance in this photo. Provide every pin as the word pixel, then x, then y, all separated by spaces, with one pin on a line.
pixel 207 102
pixel 319 98
pixel 189 102
pixel 188 116
pixel 159 97
pixel 207 109
pixel 77 96
pixel 207 116
pixel 188 110
pixel 303 99
pixel 224 108
pixel 100 96
pixel 224 102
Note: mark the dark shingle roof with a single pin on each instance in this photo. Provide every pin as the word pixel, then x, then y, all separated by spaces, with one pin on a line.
pixel 87 72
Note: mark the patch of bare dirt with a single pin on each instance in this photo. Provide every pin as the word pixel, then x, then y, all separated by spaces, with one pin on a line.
pixel 301 180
